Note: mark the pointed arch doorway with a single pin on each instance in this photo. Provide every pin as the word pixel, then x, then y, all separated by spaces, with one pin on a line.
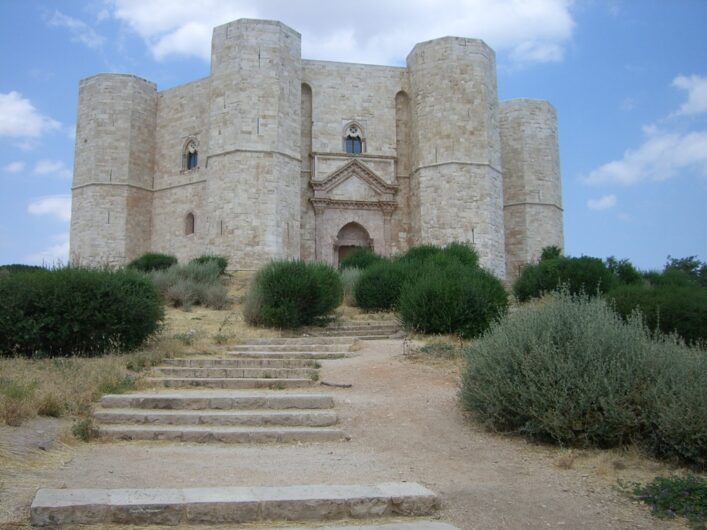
pixel 350 237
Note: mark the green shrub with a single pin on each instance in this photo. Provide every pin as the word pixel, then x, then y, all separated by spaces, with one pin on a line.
pixel 192 284
pixel 349 279
pixel 292 293
pixel 76 311
pixel 418 255
pixel 218 260
pixel 464 253
pixel 676 496
pixel 586 274
pixel 668 307
pixel 623 270
pixel 152 261
pixel 360 258
pixel 379 286
pixel 691 266
pixel 20 267
pixel 550 252
pixel 454 299
pixel 570 370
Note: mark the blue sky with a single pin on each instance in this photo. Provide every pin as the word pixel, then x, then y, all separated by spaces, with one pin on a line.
pixel 628 79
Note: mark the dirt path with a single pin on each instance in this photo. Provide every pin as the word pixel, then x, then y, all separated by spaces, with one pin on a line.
pixel 405 424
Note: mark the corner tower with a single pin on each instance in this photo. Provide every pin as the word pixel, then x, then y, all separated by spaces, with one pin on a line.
pixel 254 165
pixel 111 206
pixel 531 181
pixel 456 183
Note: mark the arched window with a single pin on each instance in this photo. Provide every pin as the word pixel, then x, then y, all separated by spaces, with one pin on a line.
pixel 353 140
pixel 189 224
pixel 190 156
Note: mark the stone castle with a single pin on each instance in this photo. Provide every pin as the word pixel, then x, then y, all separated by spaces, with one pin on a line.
pixel 275 156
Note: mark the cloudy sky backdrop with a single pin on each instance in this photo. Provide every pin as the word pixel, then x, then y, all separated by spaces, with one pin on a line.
pixel 628 79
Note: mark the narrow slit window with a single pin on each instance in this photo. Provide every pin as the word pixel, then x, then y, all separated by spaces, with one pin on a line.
pixel 189 224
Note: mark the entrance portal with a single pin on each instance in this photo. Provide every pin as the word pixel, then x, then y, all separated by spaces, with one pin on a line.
pixel 349 238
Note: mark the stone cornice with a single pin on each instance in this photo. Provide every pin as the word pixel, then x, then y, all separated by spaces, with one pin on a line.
pixel 530 203
pixel 257 151
pixel 457 163
pixel 135 186
pixel 321 204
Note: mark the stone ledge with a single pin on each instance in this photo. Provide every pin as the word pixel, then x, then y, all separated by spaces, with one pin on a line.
pixel 164 506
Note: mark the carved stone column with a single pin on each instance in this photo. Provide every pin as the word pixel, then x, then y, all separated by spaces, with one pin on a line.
pixel 319 208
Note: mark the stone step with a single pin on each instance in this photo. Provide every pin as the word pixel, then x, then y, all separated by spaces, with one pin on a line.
pixel 259 418
pixel 413 525
pixel 230 505
pixel 220 433
pixel 287 355
pixel 249 373
pixel 296 340
pixel 366 335
pixel 362 324
pixel 338 348
pixel 228 382
pixel 217 399
pixel 239 363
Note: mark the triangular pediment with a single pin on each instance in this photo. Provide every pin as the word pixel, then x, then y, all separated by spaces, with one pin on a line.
pixel 357 180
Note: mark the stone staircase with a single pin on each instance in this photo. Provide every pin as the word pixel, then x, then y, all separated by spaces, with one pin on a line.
pixel 360 329
pixel 233 399
pixel 219 416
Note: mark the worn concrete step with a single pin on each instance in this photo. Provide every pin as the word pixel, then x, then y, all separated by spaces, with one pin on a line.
pixel 228 382
pixel 258 373
pixel 340 348
pixel 217 399
pixel 221 433
pixel 239 363
pixel 287 354
pixel 365 335
pixel 232 505
pixel 258 418
pixel 296 340
pixel 361 324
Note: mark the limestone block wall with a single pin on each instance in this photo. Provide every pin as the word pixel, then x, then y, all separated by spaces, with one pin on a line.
pixel 114 167
pixel 532 187
pixel 456 182
pixel 254 166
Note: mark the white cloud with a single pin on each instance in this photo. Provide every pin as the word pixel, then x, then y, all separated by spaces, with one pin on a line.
pixel 80 31
pixel 55 254
pixel 19 118
pixel 52 167
pixel 530 31
pixel 14 167
pixel 58 206
pixel 696 87
pixel 603 203
pixel 662 155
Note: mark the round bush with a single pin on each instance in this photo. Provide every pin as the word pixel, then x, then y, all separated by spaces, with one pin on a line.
pixel 456 299
pixel 587 274
pixel 152 261
pixel 290 294
pixel 378 288
pixel 361 258
pixel 570 370
pixel 75 311
pixel 220 261
pixel 464 253
pixel 667 307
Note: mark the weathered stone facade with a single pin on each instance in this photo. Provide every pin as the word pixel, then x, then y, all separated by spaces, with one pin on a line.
pixel 273 156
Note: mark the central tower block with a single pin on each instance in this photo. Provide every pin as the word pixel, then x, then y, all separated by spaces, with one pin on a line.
pixel 456 180
pixel 254 142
